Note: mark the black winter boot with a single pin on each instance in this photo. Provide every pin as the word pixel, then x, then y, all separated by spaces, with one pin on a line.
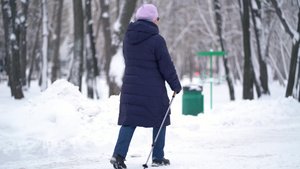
pixel 118 161
pixel 157 163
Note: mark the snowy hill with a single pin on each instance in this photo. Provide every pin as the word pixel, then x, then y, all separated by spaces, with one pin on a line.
pixel 62 129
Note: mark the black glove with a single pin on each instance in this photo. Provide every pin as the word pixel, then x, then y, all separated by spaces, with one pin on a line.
pixel 178 91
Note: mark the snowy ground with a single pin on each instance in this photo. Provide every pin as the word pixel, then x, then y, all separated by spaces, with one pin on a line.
pixel 61 129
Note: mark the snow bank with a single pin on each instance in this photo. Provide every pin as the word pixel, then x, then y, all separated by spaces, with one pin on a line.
pixel 256 113
pixel 62 124
pixel 56 112
pixel 243 114
pixel 59 121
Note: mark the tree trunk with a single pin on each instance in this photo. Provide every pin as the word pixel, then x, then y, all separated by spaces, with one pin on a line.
pixel 118 35
pixel 256 18
pixel 44 79
pixel 222 42
pixel 91 60
pixel 88 51
pixel 34 51
pixel 12 33
pixel 56 58
pixel 248 68
pixel 16 71
pixel 295 48
pixel 106 28
pixel 93 43
pixel 298 83
pixel 7 22
pixel 77 68
pixel 23 41
pixel 105 17
pixel 293 65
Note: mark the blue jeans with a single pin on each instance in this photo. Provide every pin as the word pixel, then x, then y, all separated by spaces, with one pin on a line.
pixel 125 136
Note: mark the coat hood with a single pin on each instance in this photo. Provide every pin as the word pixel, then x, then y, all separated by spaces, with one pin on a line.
pixel 140 30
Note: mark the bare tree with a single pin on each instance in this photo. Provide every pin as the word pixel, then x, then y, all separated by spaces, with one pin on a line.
pixel 34 51
pixel 23 41
pixel 295 48
pixel 11 27
pixel 56 58
pixel 188 26
pixel 106 28
pixel 248 68
pixel 255 6
pixel 222 43
pixel 8 23
pixel 115 42
pixel 91 60
pixel 44 83
pixel 77 64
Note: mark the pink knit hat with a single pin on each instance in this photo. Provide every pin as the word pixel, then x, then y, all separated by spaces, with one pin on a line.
pixel 147 12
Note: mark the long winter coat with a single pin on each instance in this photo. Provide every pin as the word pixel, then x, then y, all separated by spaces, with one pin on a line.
pixel 144 100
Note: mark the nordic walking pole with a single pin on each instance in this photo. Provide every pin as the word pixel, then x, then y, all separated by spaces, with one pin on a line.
pixel 162 124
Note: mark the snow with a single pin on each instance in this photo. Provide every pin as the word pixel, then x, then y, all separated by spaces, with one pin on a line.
pixel 193 87
pixel 60 129
pixel 12 36
pixel 117 67
pixel 295 36
pixel 254 5
pixel 106 2
pixel 105 15
pixel 117 26
pixel 90 22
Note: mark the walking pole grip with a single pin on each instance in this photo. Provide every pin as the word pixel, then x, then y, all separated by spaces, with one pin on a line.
pixel 174 94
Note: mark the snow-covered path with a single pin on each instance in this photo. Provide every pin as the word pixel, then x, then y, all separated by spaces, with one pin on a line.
pixel 36 134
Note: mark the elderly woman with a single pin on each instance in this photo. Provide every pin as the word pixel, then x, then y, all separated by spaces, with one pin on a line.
pixel 144 100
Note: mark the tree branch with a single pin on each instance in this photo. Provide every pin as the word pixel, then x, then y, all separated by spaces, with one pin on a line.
pixel 283 20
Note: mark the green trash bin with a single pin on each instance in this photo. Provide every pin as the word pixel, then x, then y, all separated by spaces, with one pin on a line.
pixel 192 100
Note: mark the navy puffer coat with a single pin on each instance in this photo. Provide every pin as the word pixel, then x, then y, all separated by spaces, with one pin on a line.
pixel 144 100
